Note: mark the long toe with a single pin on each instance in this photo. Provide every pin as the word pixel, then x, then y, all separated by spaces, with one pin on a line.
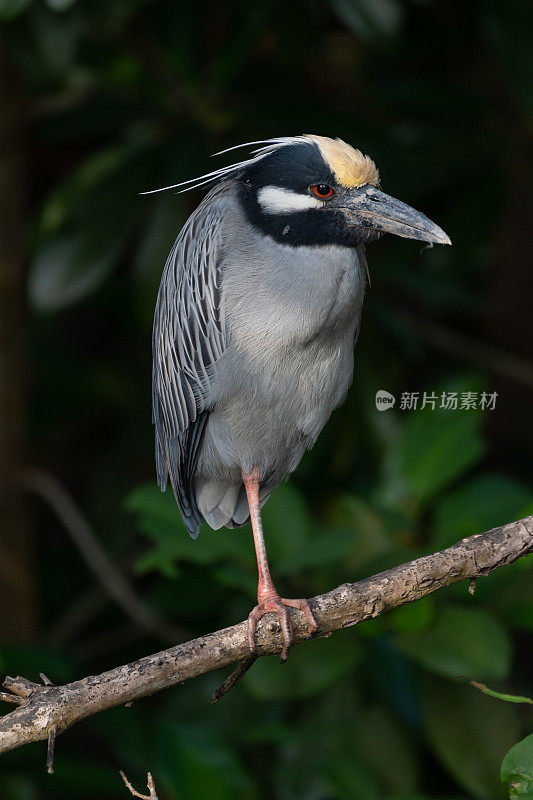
pixel 277 606
pixel 286 630
pixel 303 605
pixel 280 606
pixel 253 618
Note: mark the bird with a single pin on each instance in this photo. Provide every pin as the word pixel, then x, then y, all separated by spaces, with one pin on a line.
pixel 256 320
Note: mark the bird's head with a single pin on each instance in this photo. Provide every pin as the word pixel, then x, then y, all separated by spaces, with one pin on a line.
pixel 312 190
pixel 315 191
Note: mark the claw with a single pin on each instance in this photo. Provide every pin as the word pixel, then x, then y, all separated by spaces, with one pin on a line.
pixel 281 607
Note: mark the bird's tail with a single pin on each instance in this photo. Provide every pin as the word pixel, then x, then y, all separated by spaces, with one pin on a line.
pixel 224 503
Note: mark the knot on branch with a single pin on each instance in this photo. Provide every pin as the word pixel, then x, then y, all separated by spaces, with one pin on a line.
pixel 20 692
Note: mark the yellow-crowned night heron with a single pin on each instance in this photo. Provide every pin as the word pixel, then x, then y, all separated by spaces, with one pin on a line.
pixel 256 320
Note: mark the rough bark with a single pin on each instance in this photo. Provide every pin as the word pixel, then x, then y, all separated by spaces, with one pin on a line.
pixel 46 710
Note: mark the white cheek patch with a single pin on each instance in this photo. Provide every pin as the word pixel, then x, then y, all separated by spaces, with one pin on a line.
pixel 275 200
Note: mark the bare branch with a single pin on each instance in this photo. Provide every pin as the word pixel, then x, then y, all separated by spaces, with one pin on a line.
pixel 43 708
pixel 6 697
pixel 135 793
pixel 51 750
pixel 238 673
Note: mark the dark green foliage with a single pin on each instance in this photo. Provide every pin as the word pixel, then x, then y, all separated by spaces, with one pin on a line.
pixel 130 95
pixel 517 768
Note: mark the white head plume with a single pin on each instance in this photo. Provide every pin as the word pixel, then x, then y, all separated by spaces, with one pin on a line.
pixel 268 146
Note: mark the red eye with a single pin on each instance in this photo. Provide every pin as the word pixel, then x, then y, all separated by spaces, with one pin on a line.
pixel 322 190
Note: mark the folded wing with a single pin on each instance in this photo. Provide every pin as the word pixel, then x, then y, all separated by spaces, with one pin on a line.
pixel 188 339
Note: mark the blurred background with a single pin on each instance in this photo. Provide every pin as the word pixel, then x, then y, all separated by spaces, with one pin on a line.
pixel 102 100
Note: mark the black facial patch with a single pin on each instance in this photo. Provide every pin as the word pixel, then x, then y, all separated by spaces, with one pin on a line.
pixel 309 227
pixel 296 167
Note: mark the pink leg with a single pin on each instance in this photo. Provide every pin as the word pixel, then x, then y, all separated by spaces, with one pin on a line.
pixel 267 597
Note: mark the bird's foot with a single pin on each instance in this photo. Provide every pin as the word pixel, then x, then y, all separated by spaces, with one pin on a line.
pixel 280 606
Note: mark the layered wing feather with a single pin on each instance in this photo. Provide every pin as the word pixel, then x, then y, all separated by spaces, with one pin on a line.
pixel 188 339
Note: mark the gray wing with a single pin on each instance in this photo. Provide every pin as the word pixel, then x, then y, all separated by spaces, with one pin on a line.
pixel 188 338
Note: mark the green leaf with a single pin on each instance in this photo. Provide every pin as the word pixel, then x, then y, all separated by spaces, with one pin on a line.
pixel 509 698
pixel 413 617
pixel 85 226
pixel 194 762
pixel 287 523
pixel 483 503
pixel 438 447
pixel 68 268
pixel 366 529
pixel 517 769
pixel 291 542
pixel 345 777
pixel 160 521
pixel 322 549
pixel 470 734
pixel 462 642
pixel 12 8
pixel 394 760
pixel 514 599
pixel 308 671
pixel 236 577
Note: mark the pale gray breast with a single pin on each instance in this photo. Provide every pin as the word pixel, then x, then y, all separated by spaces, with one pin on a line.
pixel 277 297
pixel 291 316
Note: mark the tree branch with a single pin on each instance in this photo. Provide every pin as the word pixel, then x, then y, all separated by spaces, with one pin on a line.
pixel 135 793
pixel 41 709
